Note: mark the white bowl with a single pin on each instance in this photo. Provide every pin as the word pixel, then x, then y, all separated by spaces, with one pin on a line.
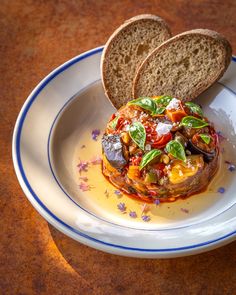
pixel 48 142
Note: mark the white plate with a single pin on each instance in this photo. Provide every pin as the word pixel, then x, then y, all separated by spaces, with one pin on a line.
pixel 57 119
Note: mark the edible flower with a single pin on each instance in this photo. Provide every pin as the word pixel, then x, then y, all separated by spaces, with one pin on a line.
pixel 95 134
pixel 231 166
pixel 117 192
pixel 221 190
pixel 146 218
pixel 121 207
pixel 84 186
pixel 133 214
pixel 83 166
pixel 157 202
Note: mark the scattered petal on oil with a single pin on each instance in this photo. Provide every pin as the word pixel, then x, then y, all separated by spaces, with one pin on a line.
pixel 144 208
pixel 133 214
pixel 121 207
pixel 84 178
pixel 83 146
pixel 221 190
pixel 231 166
pixel 184 210
pixel 157 202
pixel 146 218
pixel 95 134
pixel 84 186
pixel 83 166
pixel 96 160
pixel 117 192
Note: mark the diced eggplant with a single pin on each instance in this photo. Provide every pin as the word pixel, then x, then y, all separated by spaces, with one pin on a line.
pixel 113 150
pixel 196 150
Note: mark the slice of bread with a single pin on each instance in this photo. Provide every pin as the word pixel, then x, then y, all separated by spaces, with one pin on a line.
pixel 183 66
pixel 125 50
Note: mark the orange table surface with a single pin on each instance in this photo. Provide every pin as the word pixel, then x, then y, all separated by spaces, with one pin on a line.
pixel 35 258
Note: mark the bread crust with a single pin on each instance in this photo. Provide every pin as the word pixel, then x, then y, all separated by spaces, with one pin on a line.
pixel 114 37
pixel 204 33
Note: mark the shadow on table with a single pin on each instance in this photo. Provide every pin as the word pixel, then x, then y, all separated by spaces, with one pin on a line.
pixel 213 272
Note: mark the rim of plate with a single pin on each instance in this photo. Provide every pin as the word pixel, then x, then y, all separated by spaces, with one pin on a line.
pixel 35 200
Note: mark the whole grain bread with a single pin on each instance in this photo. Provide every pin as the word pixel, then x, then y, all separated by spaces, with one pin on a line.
pixel 183 66
pixel 125 50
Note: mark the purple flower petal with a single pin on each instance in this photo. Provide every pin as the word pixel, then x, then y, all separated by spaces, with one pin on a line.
pixel 221 190
pixel 231 167
pixel 157 202
pixel 83 166
pixel 146 218
pixel 121 207
pixel 117 192
pixel 84 187
pixel 133 214
pixel 95 134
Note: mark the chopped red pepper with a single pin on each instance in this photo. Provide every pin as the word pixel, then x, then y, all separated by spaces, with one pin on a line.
pixel 161 143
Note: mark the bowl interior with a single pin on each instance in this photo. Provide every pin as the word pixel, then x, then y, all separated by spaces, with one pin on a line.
pixel 71 142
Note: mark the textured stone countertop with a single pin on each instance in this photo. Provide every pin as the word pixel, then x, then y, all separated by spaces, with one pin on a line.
pixel 35 258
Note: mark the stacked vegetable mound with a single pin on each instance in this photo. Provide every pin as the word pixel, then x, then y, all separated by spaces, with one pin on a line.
pixel 159 148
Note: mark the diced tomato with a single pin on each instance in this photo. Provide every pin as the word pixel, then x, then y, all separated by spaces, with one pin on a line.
pixel 162 141
pixel 160 168
pixel 152 193
pixel 112 117
pixel 136 160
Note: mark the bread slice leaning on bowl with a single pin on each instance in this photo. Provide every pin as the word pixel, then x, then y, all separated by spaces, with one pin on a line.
pixel 125 50
pixel 183 66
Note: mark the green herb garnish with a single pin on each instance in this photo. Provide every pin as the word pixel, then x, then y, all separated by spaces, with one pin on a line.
pixel 145 103
pixel 206 138
pixel 148 157
pixel 176 149
pixel 195 108
pixel 113 123
pixel 163 101
pixel 138 134
pixel 193 122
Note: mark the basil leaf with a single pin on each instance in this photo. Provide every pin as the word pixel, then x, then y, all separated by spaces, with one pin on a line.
pixel 138 134
pixel 176 149
pixel 113 123
pixel 195 108
pixel 160 110
pixel 163 100
pixel 146 103
pixel 147 158
pixel 193 122
pixel 205 137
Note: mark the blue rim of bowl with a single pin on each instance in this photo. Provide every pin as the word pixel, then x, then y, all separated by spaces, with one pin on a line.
pixel 18 164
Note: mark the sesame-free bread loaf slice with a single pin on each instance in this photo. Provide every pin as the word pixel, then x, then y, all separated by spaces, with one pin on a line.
pixel 125 50
pixel 183 66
